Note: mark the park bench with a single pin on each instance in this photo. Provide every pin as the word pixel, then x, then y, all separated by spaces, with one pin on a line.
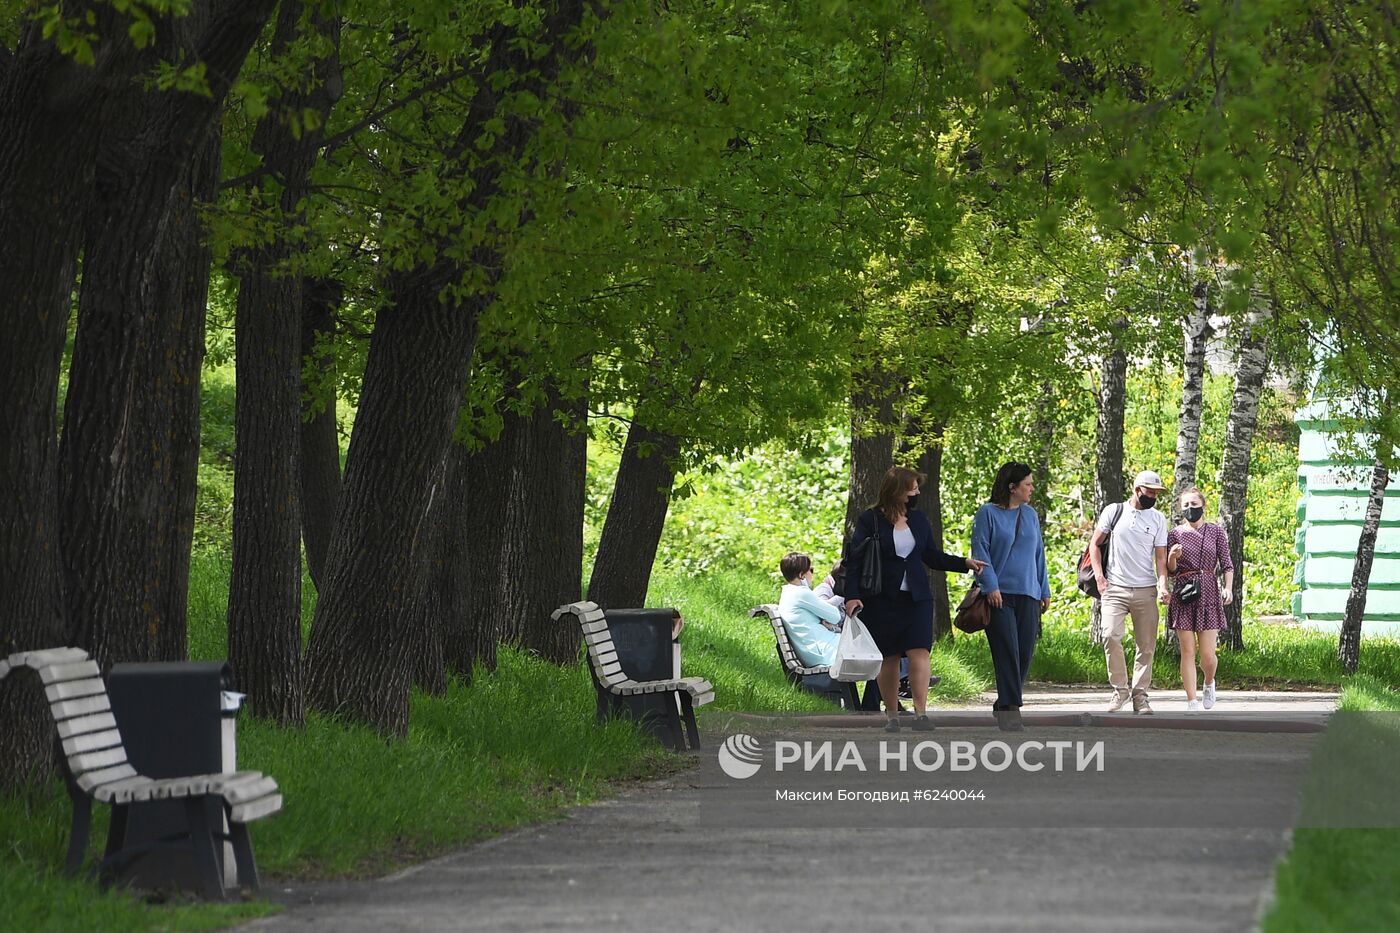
pixel 636 669
pixel 812 679
pixel 95 767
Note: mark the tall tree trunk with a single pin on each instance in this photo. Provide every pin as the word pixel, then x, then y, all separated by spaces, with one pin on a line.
pixel 931 502
pixel 459 649
pixel 48 146
pixel 636 517
pixel 1349 642
pixel 1234 465
pixel 126 580
pixel 482 491
pixel 264 606
pixel 542 561
pixel 429 668
pixel 1108 446
pixel 320 437
pixel 1197 332
pixel 359 659
pixel 872 438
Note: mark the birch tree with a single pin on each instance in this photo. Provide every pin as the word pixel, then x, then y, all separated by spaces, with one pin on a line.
pixel 1250 366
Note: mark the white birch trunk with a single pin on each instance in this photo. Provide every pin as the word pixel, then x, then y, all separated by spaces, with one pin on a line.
pixel 1234 464
pixel 1349 643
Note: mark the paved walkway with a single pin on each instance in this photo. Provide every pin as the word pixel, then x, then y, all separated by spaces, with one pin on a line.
pixel 1179 832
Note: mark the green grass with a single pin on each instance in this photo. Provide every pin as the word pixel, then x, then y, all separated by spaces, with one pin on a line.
pixel 1343 879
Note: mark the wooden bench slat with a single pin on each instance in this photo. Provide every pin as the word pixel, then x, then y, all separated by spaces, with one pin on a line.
pixel 91 741
pixel 94 779
pixel 119 791
pixel 255 809
pixel 73 670
pixel 67 709
pixel 45 656
pixel 94 722
pixel 245 791
pixel 71 689
pixel 83 762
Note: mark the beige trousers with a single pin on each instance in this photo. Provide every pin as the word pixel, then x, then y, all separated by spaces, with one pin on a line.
pixel 1117 604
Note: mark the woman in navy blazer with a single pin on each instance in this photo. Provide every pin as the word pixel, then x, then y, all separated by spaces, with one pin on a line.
pixel 900 617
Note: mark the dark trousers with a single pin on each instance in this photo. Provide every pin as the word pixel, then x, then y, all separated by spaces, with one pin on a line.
pixel 1012 636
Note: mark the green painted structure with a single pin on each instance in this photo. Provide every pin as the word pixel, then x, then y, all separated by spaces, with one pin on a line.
pixel 1334 486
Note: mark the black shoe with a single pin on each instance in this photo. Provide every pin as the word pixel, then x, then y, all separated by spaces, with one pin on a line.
pixel 1009 720
pixel 892 725
pixel 934 680
pixel 922 724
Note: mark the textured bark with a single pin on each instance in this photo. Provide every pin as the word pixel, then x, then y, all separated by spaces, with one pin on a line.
pixel 320 438
pixel 1197 331
pixel 1108 448
pixel 872 438
pixel 636 517
pixel 482 490
pixel 1349 642
pixel 48 146
pixel 542 557
pixel 429 669
pixel 359 660
pixel 1234 465
pixel 931 502
pixel 264 607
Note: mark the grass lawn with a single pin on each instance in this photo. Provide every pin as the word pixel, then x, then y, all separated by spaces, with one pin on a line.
pixel 1344 879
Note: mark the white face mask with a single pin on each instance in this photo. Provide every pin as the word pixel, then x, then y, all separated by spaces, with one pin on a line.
pixel 805 581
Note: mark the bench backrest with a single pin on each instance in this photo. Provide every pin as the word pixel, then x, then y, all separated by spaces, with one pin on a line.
pixel 785 650
pixel 602 653
pixel 82 711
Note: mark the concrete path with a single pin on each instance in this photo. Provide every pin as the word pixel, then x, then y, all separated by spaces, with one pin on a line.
pixel 1179 832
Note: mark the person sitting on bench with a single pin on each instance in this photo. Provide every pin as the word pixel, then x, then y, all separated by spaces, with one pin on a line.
pixel 813 625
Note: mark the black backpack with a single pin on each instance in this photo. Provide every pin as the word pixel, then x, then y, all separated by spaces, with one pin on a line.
pixel 1087 584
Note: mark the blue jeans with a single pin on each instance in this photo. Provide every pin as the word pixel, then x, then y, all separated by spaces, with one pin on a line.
pixel 1012 637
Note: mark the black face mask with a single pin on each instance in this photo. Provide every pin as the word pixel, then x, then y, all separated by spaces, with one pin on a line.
pixel 1147 502
pixel 911 503
pixel 1195 513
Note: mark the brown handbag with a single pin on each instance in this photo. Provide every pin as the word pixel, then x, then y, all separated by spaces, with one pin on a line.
pixel 974 612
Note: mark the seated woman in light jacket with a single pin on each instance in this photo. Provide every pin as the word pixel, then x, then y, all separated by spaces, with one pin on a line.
pixel 813 624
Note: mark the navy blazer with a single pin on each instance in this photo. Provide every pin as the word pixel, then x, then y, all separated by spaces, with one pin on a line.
pixel 892 567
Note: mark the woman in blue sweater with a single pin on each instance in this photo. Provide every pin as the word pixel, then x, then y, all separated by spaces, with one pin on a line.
pixel 1006 535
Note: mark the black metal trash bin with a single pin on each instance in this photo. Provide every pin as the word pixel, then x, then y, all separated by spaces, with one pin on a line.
pixel 172 724
pixel 646 651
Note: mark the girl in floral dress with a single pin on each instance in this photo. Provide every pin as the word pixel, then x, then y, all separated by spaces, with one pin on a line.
pixel 1195 548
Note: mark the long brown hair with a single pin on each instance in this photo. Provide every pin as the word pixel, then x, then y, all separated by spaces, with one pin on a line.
pixel 898 480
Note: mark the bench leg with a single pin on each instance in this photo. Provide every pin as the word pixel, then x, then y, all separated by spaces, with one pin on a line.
pixel 206 859
pixel 688 714
pixel 673 724
pixel 116 831
pixel 243 856
pixel 81 829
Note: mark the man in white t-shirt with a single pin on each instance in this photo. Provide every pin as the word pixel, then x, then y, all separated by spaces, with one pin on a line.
pixel 1132 584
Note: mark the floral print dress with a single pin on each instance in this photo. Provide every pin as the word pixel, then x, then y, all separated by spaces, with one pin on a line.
pixel 1202 549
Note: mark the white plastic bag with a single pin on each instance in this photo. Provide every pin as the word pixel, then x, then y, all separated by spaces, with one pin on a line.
pixel 857 656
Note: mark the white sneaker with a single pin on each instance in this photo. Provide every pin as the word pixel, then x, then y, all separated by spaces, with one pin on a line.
pixel 1208 696
pixel 1194 706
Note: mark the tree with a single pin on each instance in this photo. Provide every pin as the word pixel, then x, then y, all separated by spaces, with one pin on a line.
pixel 1108 446
pixel 1349 642
pixel 360 652
pixel 1250 366
pixel 264 607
